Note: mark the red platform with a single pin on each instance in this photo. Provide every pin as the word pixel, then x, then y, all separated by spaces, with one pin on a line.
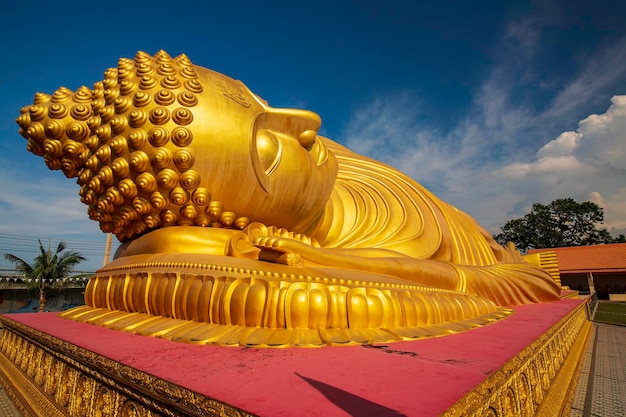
pixel 418 378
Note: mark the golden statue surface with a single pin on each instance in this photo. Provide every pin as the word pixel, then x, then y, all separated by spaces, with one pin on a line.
pixel 241 225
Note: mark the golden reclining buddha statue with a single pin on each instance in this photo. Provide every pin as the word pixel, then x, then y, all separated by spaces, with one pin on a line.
pixel 241 225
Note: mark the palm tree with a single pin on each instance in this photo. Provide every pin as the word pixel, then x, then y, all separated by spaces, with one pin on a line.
pixel 48 271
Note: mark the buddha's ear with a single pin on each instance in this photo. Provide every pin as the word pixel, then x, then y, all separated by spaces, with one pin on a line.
pixel 265 152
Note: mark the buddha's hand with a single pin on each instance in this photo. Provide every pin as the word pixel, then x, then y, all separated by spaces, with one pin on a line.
pixel 283 250
pixel 272 244
pixel 297 253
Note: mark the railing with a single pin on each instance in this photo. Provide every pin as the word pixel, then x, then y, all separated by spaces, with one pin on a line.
pixel 592 305
pixel 11 280
pixel 607 312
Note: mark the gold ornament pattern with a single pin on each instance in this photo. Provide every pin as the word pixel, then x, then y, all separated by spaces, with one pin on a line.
pixel 539 381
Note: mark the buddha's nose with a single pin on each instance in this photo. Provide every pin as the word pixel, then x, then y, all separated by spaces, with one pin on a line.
pixel 299 124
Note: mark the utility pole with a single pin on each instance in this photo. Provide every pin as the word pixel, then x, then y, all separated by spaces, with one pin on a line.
pixel 107 249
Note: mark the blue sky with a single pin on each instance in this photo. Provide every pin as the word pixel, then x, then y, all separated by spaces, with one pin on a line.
pixel 492 105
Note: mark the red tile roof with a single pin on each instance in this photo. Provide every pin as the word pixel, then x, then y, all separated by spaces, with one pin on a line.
pixel 597 258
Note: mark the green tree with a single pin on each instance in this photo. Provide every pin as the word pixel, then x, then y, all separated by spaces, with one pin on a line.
pixel 563 222
pixel 619 239
pixel 48 272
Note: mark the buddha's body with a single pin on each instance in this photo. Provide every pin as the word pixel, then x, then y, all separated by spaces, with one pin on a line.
pixel 378 220
pixel 177 159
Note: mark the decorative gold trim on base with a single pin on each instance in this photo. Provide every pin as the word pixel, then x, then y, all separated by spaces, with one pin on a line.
pixel 48 377
pixel 540 381
pixel 29 399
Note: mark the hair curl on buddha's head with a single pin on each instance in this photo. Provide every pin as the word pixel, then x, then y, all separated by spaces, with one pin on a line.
pixel 127 141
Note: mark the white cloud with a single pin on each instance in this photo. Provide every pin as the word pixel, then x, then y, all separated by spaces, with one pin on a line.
pixel 46 207
pixel 607 148
pixel 48 203
pixel 507 153
pixel 564 145
pixel 599 72
pixel 586 164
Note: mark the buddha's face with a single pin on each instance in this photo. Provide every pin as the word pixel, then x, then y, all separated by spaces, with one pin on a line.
pixel 263 163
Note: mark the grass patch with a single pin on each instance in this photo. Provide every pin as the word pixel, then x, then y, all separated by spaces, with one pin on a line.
pixel 613 313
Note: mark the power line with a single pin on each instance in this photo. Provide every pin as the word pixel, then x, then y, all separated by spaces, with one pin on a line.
pixel 25 246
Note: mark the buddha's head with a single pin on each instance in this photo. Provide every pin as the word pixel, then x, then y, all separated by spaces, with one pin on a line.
pixel 161 142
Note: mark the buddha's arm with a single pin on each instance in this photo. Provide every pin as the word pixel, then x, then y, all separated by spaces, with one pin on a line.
pixel 382 261
pixel 505 284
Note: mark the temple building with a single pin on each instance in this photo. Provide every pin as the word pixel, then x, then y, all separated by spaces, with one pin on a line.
pixel 603 266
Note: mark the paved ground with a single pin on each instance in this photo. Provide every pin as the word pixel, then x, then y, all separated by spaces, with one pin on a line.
pixel 601 391
pixel 602 387
pixel 7 409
